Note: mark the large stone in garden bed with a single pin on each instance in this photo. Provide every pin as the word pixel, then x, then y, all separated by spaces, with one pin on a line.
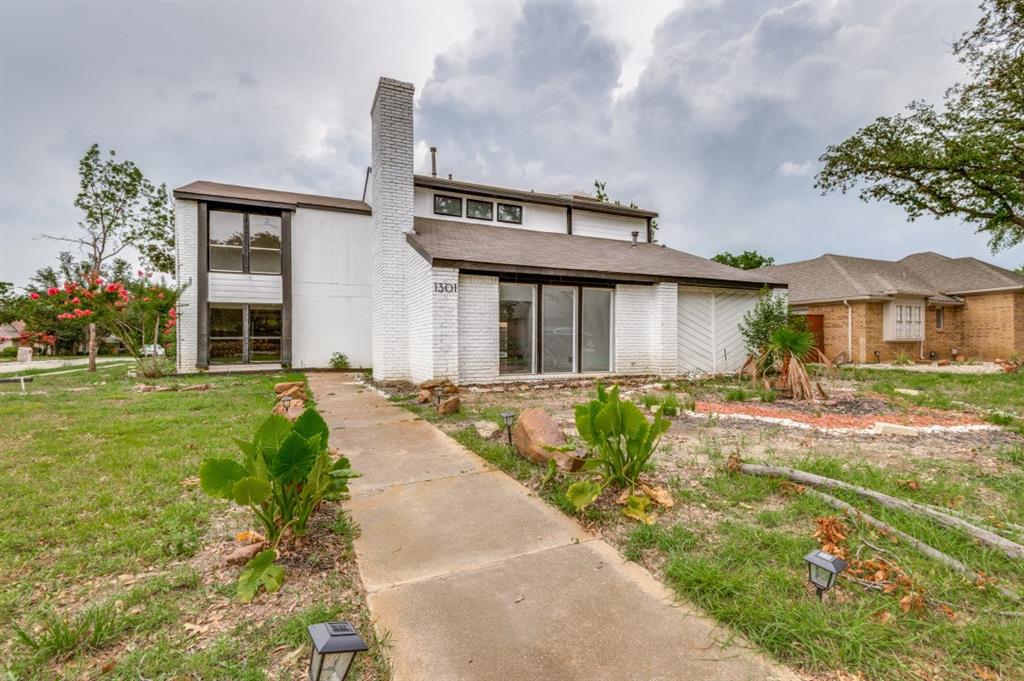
pixel 534 432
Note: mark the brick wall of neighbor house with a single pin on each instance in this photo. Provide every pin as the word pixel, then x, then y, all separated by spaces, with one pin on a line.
pixel 942 342
pixel 392 154
pixel 874 332
pixel 186 222
pixel 634 309
pixel 992 326
pixel 478 329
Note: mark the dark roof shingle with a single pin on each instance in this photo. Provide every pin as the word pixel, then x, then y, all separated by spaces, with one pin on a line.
pixel 201 189
pixel 508 249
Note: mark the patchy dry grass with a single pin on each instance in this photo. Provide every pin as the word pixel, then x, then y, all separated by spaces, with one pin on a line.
pixel 111 558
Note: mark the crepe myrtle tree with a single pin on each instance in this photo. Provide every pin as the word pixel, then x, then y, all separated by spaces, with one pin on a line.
pixel 963 159
pixel 139 312
pixel 122 210
pixel 747 260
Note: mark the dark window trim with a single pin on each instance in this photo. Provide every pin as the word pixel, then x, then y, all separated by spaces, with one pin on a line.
pixel 940 318
pixel 538 319
pixel 497 213
pixel 446 196
pixel 246 259
pixel 246 309
pixel 489 204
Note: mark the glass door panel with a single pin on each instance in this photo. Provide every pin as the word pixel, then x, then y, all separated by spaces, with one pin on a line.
pixel 597 330
pixel 515 329
pixel 558 329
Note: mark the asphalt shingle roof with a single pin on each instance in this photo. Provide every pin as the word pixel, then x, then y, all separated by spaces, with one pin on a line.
pixel 234 192
pixel 840 277
pixel 508 249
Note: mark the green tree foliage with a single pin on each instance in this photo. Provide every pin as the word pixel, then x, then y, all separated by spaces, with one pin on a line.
pixel 964 159
pixel 747 260
pixel 771 312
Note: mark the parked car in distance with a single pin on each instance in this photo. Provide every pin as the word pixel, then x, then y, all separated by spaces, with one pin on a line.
pixel 153 351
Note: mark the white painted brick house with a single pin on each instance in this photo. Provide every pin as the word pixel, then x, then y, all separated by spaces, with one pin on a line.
pixel 428 277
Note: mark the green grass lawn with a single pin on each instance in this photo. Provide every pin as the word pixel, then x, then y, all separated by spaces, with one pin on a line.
pixel 105 559
pixel 1003 392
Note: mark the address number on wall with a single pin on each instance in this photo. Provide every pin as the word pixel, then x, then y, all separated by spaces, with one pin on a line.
pixel 445 287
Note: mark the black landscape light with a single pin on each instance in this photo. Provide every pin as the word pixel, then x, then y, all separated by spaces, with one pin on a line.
pixel 334 647
pixel 286 401
pixel 509 418
pixel 822 569
pixel 438 394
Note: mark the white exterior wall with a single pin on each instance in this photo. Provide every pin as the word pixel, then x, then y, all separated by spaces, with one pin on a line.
pixel 709 335
pixel 421 319
pixel 392 154
pixel 604 226
pixel 537 217
pixel 186 239
pixel 230 287
pixel 665 329
pixel 634 307
pixel 478 329
pixel 330 287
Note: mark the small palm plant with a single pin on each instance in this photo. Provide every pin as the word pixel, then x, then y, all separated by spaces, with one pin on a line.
pixel 783 357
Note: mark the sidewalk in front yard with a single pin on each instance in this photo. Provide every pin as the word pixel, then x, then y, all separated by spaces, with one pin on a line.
pixel 474 578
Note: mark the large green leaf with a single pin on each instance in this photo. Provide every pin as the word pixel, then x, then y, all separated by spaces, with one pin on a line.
pixel 310 424
pixel 217 477
pixel 294 459
pixel 250 491
pixel 583 493
pixel 270 435
pixel 636 507
pixel 260 571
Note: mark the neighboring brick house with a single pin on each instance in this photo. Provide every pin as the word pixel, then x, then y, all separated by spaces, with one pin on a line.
pixel 426 277
pixel 925 306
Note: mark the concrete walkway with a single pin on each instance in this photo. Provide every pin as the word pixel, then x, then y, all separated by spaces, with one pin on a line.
pixel 474 578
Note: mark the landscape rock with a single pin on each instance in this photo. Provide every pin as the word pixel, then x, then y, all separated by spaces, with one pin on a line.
pixel 297 392
pixel 907 391
pixel 445 383
pixel 535 430
pixel 284 387
pixel 488 430
pixel 424 397
pixel 449 406
pixel 197 387
pixel 883 428
pixel 293 411
pixel 942 363
pixel 243 554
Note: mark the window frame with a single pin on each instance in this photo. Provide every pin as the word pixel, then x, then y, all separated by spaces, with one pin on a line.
pixel 461 212
pixel 489 204
pixel 246 246
pixel 903 322
pixel 246 336
pixel 537 322
pixel 497 213
pixel 940 318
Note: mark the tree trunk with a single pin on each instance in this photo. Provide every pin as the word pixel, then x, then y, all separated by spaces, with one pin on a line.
pixel 1010 548
pixel 926 549
pixel 93 347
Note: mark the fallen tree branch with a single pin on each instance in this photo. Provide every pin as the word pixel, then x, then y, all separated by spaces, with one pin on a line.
pixel 1010 548
pixel 926 549
pixel 1005 528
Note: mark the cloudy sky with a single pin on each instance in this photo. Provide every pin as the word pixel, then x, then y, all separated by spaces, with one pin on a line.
pixel 712 113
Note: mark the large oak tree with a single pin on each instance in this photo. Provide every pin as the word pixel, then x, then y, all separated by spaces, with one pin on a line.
pixel 964 159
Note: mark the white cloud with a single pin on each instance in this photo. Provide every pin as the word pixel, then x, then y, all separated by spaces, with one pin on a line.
pixel 795 168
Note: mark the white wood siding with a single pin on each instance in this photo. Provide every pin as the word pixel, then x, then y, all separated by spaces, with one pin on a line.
pixel 709 336
pixel 225 287
pixel 604 226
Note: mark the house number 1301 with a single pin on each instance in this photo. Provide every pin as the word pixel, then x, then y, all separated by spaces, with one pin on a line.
pixel 445 287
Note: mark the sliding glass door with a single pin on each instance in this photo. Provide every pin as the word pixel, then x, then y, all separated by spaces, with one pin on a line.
pixel 554 329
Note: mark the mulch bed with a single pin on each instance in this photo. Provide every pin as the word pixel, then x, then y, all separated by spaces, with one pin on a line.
pixel 852 414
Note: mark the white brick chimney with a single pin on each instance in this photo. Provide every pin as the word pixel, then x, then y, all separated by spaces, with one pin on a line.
pixel 392 197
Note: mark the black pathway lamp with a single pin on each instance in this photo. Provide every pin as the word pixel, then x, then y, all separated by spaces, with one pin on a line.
pixel 287 402
pixel 509 418
pixel 822 570
pixel 438 394
pixel 334 647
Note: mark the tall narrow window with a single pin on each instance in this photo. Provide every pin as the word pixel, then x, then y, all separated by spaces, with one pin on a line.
pixel 940 318
pixel 558 329
pixel 264 334
pixel 227 241
pixel 265 244
pixel 227 334
pixel 596 342
pixel 515 328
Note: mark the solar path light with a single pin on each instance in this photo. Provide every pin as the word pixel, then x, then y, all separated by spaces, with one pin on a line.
pixel 822 570
pixel 334 647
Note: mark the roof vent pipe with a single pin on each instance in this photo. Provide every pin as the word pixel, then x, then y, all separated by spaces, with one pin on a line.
pixel 635 235
pixel 433 161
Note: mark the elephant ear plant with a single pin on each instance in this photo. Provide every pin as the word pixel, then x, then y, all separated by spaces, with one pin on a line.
pixel 621 441
pixel 285 472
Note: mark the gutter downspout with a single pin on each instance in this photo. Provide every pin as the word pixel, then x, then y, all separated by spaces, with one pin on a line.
pixel 849 330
